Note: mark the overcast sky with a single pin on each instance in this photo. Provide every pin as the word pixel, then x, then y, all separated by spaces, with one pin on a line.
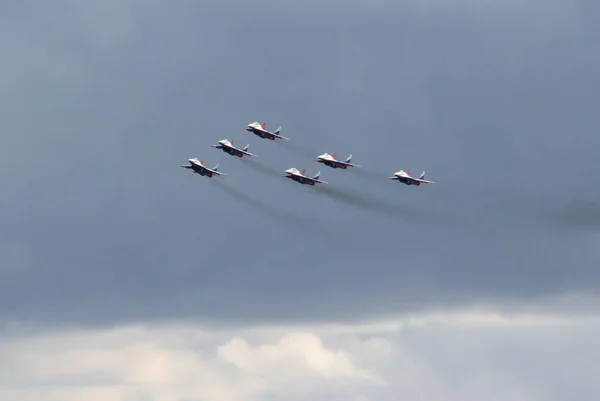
pixel 102 101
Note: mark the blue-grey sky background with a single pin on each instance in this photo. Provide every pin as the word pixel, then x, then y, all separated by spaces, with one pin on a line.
pixel 102 101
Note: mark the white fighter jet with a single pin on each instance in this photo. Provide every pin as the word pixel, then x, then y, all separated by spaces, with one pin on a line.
pixel 332 161
pixel 405 178
pixel 261 131
pixel 227 146
pixel 299 176
pixel 198 167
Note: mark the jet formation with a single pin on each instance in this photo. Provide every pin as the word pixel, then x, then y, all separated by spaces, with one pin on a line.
pixel 299 176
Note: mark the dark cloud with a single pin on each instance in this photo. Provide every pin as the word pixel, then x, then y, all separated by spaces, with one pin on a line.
pixel 102 104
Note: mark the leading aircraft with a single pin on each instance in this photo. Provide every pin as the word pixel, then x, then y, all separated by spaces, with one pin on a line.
pixel 227 146
pixel 299 176
pixel 198 167
pixel 332 161
pixel 261 131
pixel 405 178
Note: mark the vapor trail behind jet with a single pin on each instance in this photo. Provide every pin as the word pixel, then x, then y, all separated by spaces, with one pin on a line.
pixel 368 203
pixel 261 168
pixel 287 218
pixel 298 149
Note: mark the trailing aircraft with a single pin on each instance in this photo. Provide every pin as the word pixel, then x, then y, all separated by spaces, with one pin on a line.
pixel 299 176
pixel 261 131
pixel 331 161
pixel 227 146
pixel 405 178
pixel 198 167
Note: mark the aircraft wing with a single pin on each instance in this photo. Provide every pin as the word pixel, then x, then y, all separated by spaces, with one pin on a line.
pixel 318 181
pixel 278 136
pixel 246 153
pixel 347 164
pixel 423 181
pixel 215 172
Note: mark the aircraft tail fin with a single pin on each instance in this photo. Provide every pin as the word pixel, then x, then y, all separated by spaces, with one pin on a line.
pixel 349 158
pixel 246 148
pixel 316 177
pixel 216 167
pixel 277 131
pixel 422 176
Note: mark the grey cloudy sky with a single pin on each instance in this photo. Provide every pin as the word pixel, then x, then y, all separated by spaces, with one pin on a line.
pixel 102 101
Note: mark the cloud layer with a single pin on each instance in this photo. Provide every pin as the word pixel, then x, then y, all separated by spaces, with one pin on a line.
pixel 465 355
